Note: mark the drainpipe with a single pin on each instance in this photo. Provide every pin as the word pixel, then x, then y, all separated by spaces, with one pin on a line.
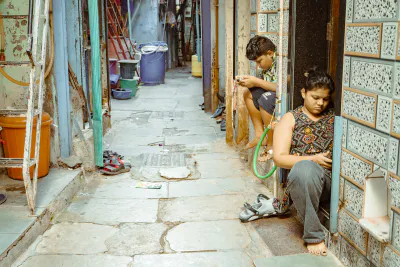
pixel 96 81
pixel 198 48
pixel 216 63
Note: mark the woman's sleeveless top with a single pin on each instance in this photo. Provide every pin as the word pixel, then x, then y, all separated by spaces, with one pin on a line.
pixel 312 137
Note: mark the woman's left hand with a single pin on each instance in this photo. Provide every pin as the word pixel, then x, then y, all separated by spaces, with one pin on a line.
pixel 248 81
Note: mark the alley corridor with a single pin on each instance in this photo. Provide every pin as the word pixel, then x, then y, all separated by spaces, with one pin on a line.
pixel 189 221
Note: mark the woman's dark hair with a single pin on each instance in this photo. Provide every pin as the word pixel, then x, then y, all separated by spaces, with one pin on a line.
pixel 259 46
pixel 316 78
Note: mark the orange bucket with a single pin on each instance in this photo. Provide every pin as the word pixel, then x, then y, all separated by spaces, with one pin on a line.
pixel 13 133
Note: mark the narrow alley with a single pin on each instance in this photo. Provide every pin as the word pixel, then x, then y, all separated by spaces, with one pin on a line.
pixel 192 220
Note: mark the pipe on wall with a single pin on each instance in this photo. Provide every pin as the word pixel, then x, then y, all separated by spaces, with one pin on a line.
pixel 96 81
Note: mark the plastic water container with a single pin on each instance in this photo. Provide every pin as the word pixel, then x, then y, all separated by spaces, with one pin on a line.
pixel 197 67
pixel 152 63
pixel 128 68
pixel 131 84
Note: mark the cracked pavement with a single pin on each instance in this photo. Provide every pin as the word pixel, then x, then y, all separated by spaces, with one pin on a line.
pixel 190 221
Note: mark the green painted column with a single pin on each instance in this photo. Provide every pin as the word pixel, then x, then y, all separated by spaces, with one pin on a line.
pixel 96 81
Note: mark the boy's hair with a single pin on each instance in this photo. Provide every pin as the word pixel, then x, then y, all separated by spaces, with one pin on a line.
pixel 259 46
pixel 316 78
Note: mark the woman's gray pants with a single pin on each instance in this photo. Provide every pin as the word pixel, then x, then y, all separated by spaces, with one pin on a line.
pixel 308 184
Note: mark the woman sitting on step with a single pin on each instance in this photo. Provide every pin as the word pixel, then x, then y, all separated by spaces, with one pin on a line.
pixel 303 143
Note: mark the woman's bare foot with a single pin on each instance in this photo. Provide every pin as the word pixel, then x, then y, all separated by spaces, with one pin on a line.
pixel 318 249
pixel 254 142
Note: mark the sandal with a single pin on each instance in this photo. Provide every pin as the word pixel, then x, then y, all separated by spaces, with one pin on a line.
pixel 3 198
pixel 262 208
pixel 218 111
pixel 114 166
pixel 223 125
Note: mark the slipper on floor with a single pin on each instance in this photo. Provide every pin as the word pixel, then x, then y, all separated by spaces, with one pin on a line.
pixel 218 111
pixel 261 209
pixel 114 169
pixel 3 198
pixel 223 125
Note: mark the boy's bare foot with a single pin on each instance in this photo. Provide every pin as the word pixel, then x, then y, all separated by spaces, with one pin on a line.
pixel 254 142
pixel 318 249
pixel 267 155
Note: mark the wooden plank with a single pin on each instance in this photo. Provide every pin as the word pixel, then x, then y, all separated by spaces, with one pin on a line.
pixel 229 51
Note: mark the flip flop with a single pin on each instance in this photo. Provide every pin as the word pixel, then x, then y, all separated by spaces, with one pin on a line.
pixel 115 166
pixel 3 198
pixel 223 125
pixel 218 111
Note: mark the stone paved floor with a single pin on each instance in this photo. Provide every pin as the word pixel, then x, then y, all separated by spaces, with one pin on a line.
pixel 190 221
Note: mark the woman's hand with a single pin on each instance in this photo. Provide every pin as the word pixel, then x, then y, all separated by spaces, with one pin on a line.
pixel 248 81
pixel 323 160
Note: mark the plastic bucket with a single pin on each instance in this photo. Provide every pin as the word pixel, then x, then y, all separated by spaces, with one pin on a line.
pixel 128 68
pixel 112 62
pixel 152 64
pixel 13 133
pixel 131 84
pixel 122 94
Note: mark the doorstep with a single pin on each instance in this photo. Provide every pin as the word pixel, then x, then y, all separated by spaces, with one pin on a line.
pixel 18 228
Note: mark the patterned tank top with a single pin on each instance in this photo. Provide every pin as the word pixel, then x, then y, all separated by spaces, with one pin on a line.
pixel 312 137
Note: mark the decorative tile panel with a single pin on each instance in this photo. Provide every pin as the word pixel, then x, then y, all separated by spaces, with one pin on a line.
pixel 273 23
pixel 253 22
pixel 262 22
pixel 334 246
pixel 351 229
pixel 396 88
pixel 394 186
pixel 396 231
pixel 372 75
pixel 349 11
pixel 374 251
pixel 389 40
pixel 363 262
pixel 348 254
pixel 253 6
pixel 354 167
pixel 390 258
pixel 359 106
pixel 393 155
pixel 363 40
pixel 286 4
pixel 375 10
pixel 285 21
pixel 269 5
pixel 368 143
pixel 354 198
pixel 346 71
pixel 344 137
pixel 384 110
pixel 396 119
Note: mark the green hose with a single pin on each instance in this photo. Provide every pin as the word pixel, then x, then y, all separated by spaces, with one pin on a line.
pixel 255 157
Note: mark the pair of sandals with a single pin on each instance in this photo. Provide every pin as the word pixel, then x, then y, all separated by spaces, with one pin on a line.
pixel 262 208
pixel 114 164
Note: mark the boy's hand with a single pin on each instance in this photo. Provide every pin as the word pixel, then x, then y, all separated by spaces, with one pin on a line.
pixel 248 81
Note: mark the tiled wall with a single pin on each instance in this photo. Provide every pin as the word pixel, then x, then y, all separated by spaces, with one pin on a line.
pixel 371 108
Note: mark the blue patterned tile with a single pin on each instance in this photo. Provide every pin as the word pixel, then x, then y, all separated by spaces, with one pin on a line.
pixel 253 22
pixel 344 137
pixel 354 168
pixel 394 186
pixel 349 11
pixel 368 143
pixel 360 106
pixel 269 5
pixel 384 114
pixel 341 189
pixel 363 40
pixel 371 75
pixel 396 87
pixel 375 10
pixel 351 229
pixel 393 155
pixel 253 6
pixel 346 71
pixel 374 251
pixel 396 119
pixel 396 231
pixel 262 22
pixel 389 40
pixel 348 254
pixel 390 258
pixel 273 23
pixel 354 198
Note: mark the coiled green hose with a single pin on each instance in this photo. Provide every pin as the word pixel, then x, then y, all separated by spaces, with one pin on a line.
pixel 255 157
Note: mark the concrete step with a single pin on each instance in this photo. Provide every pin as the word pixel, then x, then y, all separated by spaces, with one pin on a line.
pixel 299 260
